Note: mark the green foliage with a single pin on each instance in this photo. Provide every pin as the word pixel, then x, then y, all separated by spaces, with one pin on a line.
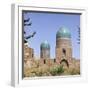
pixel 60 69
pixel 56 70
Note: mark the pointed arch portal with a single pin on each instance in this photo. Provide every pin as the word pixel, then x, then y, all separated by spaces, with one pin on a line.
pixel 65 62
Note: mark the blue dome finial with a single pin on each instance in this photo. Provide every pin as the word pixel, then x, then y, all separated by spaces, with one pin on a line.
pixel 63 33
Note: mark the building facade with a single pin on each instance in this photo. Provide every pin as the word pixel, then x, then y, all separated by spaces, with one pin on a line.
pixel 45 50
pixel 63 46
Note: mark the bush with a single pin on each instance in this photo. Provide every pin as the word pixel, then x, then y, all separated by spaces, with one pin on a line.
pixel 74 71
pixel 60 70
pixel 56 70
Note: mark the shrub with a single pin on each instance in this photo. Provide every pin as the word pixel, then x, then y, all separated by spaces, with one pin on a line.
pixel 74 71
pixel 53 71
pixel 60 70
pixel 56 70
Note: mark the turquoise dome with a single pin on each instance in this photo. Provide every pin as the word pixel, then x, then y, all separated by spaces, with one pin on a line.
pixel 63 33
pixel 45 45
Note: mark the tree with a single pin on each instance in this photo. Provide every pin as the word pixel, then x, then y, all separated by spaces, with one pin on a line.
pixel 78 35
pixel 27 22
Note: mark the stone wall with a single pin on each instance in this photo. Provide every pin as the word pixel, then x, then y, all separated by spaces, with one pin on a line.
pixel 28 56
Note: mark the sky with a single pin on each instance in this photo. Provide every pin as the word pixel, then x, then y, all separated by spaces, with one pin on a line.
pixel 46 26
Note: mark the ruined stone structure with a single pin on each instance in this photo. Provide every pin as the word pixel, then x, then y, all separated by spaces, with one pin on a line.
pixel 28 55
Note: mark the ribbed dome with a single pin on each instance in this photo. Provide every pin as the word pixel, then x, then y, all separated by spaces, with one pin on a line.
pixel 63 33
pixel 45 45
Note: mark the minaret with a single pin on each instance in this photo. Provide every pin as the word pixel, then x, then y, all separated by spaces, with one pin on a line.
pixel 63 45
pixel 45 50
